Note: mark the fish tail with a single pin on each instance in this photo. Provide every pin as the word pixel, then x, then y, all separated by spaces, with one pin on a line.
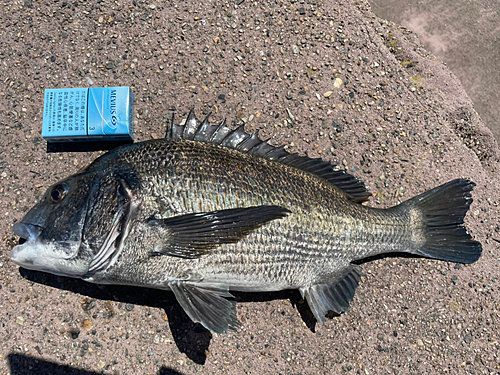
pixel 442 211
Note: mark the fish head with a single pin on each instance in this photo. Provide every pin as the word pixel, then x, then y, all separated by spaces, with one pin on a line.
pixel 57 234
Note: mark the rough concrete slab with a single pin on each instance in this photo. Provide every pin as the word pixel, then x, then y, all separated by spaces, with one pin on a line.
pixel 329 79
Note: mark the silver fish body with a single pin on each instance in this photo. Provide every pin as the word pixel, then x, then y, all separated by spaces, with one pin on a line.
pixel 208 210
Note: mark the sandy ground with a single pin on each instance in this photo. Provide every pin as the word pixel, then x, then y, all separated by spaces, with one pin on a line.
pixel 329 79
pixel 463 34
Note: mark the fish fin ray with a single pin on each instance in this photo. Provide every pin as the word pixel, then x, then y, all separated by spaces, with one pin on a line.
pixel 442 211
pixel 208 304
pixel 221 135
pixel 194 235
pixel 174 131
pixel 191 126
pixel 236 138
pixel 332 296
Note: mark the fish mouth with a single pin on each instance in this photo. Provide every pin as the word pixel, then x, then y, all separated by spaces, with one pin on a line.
pixel 28 234
pixel 35 253
pixel 32 246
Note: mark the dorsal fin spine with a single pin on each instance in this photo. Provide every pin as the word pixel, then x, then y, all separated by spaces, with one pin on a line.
pixel 191 126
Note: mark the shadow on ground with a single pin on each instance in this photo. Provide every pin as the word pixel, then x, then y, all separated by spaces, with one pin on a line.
pixel 20 364
pixel 191 338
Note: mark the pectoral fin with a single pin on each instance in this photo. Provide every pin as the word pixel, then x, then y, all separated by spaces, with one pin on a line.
pixel 193 235
pixel 334 296
pixel 206 304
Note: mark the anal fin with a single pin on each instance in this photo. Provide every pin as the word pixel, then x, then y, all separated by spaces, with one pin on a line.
pixel 207 304
pixel 332 296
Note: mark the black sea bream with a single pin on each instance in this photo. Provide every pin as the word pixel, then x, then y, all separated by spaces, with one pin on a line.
pixel 208 210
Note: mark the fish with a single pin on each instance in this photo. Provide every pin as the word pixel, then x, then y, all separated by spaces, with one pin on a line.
pixel 208 210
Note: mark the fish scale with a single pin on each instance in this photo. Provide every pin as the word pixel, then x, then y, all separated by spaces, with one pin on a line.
pixel 209 209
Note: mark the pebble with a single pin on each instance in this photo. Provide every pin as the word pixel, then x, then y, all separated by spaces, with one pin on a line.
pixel 338 128
pixel 87 324
pixel 468 338
pixel 337 83
pixel 89 306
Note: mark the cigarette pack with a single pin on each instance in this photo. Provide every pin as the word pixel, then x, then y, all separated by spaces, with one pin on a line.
pixel 88 114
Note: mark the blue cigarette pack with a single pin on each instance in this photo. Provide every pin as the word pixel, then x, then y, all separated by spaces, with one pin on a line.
pixel 88 114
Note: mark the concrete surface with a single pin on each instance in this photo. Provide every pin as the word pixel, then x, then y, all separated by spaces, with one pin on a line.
pixel 327 78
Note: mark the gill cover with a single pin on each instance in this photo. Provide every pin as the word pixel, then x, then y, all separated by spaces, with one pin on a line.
pixel 111 247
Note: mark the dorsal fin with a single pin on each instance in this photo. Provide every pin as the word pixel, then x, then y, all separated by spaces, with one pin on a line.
pixel 238 139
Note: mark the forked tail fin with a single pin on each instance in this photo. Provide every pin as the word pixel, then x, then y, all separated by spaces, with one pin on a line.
pixel 442 211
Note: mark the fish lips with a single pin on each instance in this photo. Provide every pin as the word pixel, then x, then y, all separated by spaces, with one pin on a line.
pixel 37 254
pixel 27 232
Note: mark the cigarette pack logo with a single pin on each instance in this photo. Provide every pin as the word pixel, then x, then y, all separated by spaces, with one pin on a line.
pixel 112 108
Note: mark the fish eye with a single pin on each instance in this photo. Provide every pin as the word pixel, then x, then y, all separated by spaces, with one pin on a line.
pixel 59 192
